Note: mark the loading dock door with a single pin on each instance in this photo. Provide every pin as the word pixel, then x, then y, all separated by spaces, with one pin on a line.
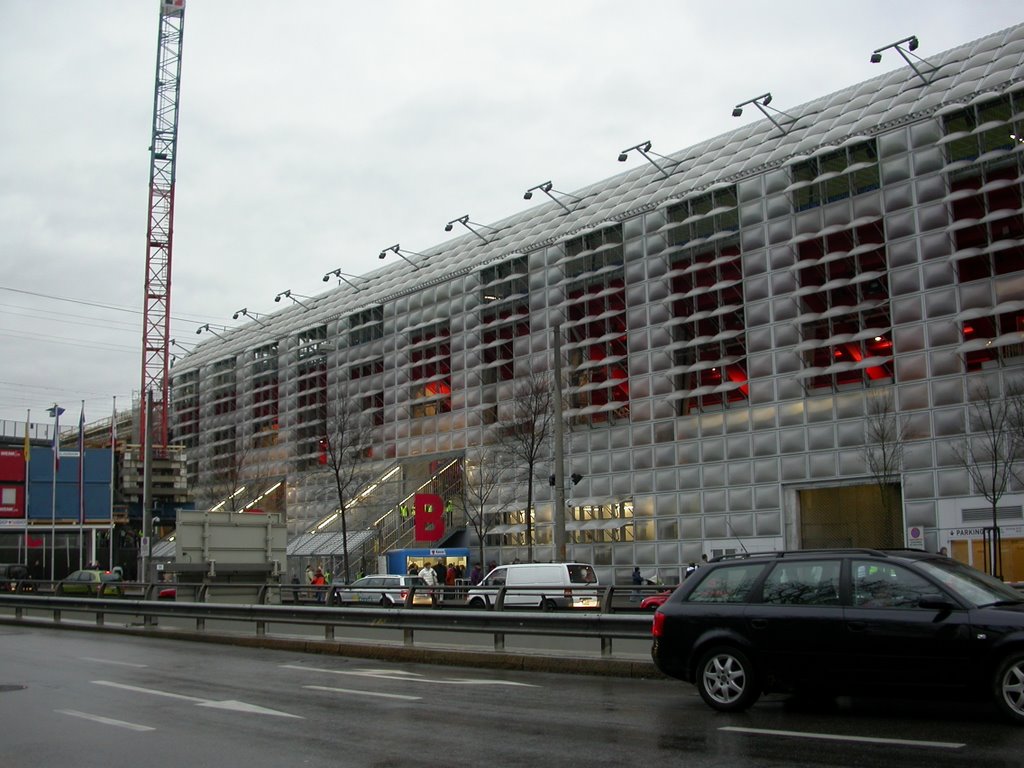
pixel 850 516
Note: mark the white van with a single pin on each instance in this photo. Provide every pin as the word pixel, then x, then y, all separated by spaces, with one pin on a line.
pixel 548 586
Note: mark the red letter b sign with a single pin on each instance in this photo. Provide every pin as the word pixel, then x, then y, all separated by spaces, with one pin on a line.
pixel 429 517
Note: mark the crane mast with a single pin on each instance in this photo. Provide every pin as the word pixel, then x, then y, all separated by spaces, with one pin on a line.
pixel 160 232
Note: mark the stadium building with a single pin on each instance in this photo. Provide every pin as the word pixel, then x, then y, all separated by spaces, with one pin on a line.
pixel 735 321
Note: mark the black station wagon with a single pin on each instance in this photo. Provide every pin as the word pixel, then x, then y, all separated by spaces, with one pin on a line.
pixel 844 622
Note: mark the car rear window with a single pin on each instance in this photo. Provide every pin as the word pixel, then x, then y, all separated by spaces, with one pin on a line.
pixel 109 577
pixel 725 584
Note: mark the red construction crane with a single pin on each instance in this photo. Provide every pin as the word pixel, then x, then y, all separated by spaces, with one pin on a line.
pixel 156 321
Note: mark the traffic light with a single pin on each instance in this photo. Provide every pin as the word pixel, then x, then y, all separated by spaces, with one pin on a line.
pixel 575 477
pixel 551 479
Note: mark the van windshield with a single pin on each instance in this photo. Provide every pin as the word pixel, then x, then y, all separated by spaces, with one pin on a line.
pixel 582 574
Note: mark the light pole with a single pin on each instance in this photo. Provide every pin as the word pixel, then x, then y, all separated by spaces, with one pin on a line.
pixel 55 411
pixel 154 521
pixel 559 516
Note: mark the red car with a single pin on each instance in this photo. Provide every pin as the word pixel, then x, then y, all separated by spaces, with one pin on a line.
pixel 652 602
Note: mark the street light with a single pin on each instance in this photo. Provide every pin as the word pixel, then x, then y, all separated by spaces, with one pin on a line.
pixel 206 327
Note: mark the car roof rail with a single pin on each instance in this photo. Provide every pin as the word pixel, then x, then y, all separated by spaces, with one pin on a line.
pixel 834 551
pixel 817 550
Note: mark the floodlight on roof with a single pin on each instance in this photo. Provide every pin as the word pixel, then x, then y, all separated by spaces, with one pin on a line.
pixel 905 48
pixel 343 277
pixel 549 190
pixel 644 148
pixel 761 102
pixel 399 251
pixel 470 225
pixel 289 295
pixel 244 312
pixel 208 329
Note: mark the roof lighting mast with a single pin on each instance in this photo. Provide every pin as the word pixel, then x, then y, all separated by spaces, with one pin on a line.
pixel 160 233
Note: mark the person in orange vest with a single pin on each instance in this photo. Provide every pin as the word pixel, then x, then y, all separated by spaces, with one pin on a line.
pixel 319 582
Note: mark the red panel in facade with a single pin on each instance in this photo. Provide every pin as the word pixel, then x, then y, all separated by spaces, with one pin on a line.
pixel 12 466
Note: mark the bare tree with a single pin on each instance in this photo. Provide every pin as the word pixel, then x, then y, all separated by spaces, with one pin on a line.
pixel 1015 403
pixel 885 433
pixel 235 478
pixel 485 474
pixel 991 452
pixel 346 452
pixel 527 433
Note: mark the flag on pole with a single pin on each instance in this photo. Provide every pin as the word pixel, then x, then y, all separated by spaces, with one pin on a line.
pixel 27 450
pixel 113 431
pixel 81 466
pixel 56 411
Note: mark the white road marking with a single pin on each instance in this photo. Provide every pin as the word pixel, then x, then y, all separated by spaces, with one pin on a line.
pixel 408 677
pixel 363 693
pixel 230 704
pixel 112 661
pixel 841 737
pixel 105 720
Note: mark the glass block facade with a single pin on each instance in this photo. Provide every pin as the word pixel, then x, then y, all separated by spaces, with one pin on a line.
pixel 724 328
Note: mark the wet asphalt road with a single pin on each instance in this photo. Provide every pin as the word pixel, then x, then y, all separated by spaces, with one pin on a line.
pixel 83 699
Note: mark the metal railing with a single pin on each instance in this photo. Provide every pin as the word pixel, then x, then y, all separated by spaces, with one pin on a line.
pixel 281 620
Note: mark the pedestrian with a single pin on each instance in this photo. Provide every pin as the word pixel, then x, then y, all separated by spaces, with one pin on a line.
pixel 429 576
pixel 319 583
pixel 309 573
pixel 475 574
pixel 638 579
pixel 449 576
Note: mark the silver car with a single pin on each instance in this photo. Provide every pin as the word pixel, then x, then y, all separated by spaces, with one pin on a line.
pixel 387 591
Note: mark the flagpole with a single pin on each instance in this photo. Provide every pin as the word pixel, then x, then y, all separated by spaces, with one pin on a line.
pixel 55 412
pixel 27 450
pixel 113 461
pixel 81 484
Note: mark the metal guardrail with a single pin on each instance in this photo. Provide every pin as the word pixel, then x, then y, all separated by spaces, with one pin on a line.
pixel 267 620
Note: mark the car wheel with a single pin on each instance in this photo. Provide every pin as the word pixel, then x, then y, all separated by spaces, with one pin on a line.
pixel 385 603
pixel 478 604
pixel 725 679
pixel 1009 687
pixel 548 605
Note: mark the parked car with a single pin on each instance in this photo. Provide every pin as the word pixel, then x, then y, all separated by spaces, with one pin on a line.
pixel 654 602
pixel 854 622
pixel 384 590
pixel 548 586
pixel 14 577
pixel 91 581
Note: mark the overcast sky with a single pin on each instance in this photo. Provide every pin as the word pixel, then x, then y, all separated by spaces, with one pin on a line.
pixel 315 133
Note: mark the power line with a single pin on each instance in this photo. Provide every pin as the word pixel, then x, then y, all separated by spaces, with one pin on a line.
pixel 197 319
pixel 78 343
